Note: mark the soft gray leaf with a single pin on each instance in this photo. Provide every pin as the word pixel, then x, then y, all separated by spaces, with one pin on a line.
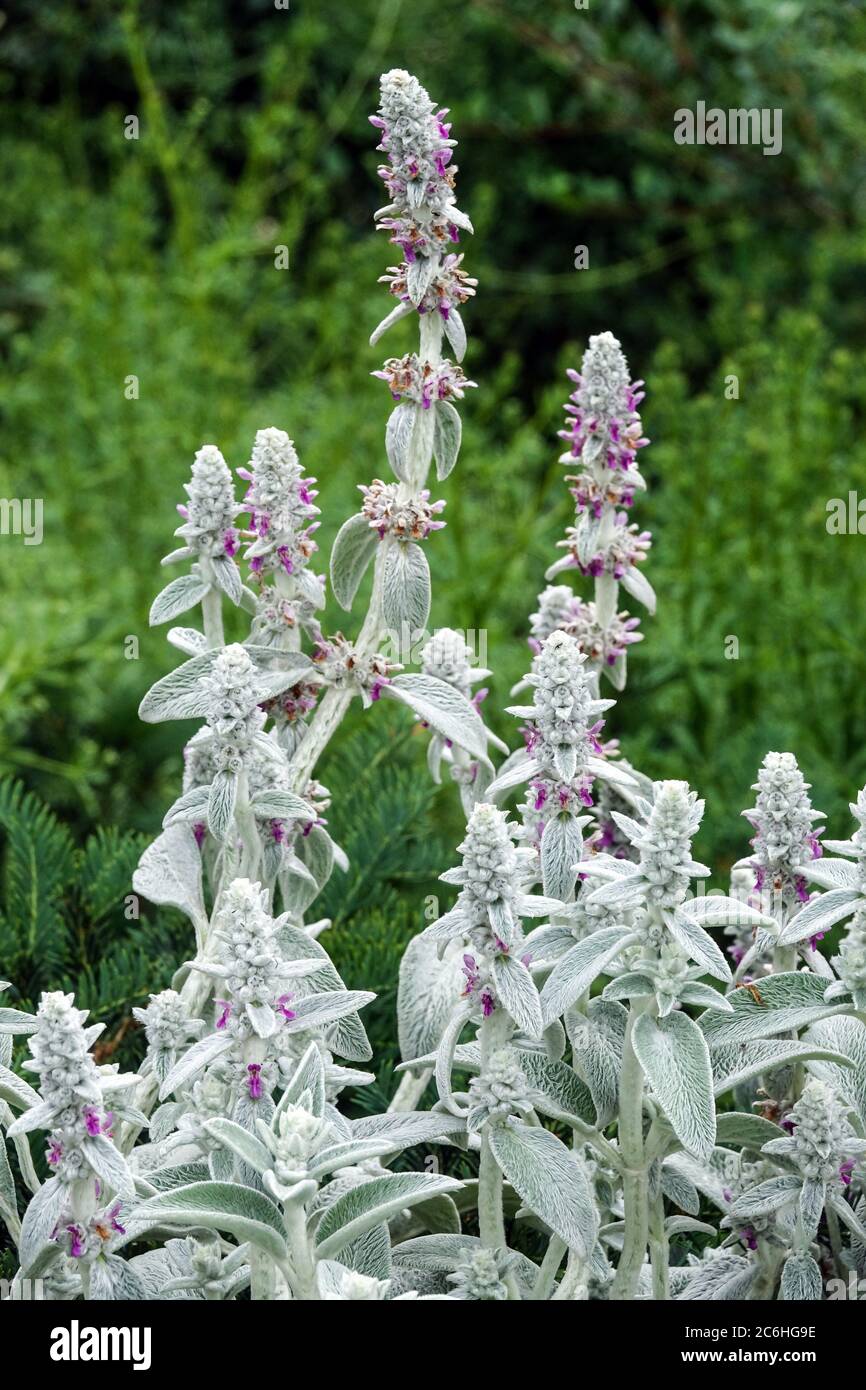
pixel 372 1202
pixel 169 872
pixel 447 432
pixel 575 971
pixel 351 553
pixel 398 438
pixel 561 848
pixel 516 991
pixel 675 1059
pixel 801 1279
pixel 444 709
pixel 789 1001
pixel 246 1214
pixel 405 588
pixel 177 597
pixel 550 1179
pixel 426 993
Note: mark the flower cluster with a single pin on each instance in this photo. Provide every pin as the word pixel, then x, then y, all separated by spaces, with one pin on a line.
pixel 71 1108
pixel 448 288
pixel 405 518
pixel 784 825
pixel 209 515
pixel 666 863
pixel 562 728
pixel 499 1091
pixel 251 964
pixel 280 502
pixel 233 716
pixel 823 1143
pixel 346 666
pixel 168 1029
pixel 481 1277
pixel 603 422
pixel 299 1136
pixel 423 383
pixel 419 176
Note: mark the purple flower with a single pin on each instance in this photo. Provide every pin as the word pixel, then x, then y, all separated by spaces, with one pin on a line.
pixel 845 1171
pixel 225 1012
pixel 254 1080
pixel 283 1006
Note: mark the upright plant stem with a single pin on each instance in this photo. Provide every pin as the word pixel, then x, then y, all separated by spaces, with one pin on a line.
pixel 635 1183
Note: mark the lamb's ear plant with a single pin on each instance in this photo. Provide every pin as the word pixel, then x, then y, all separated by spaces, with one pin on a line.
pixel 602 1087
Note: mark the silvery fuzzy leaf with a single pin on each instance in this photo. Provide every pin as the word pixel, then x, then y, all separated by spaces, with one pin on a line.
pixel 561 847
pixel 597 1044
pixel 346 1036
pixel 274 804
pixel 309 1076
pixel 319 1010
pixel 736 1063
pixel 241 1142
pixel 705 997
pixel 42 1215
pixel 840 846
pixel 565 761
pixel 442 707
pixel 370 1254
pixel 371 1203
pixel 697 945
pixel 767 1196
pixel 194 1061
pixel 455 332
pixel 512 774
pixel 402 1129
pixel 353 549
pixel 562 1094
pixel 675 1059
pixel 801 1278
pixel 550 1179
pixel 725 1278
pixel 221 1165
pixel 419 275
pixel 395 316
pixel 635 582
pixel 192 806
pixel 426 993
pixel 631 985
pixel 222 800
pixel 713 910
pixel 811 1205
pixel 174 557
pixel 680 1191
pixel 575 971
pixel 678 1225
pixel 850 1218
pixel 188 640
pixel 316 849
pixel 293 666
pixel 750 1131
pixel 177 597
pixel 445 1051
pixel 621 892
pixel 164 1119
pixel 38 1116
pixel 399 433
pixel 243 1212
pixel 169 873
pixel 790 1001
pixel 263 1020
pixel 405 588
pixel 516 991
pixel 819 915
pixel 587 536
pixel 108 1163
pixel 536 905
pixel 548 942
pixel 617 674
pixel 179 695
pixel 17 1021
pixel 832 873
pixel 447 434
pixel 228 577
pixel 842 1040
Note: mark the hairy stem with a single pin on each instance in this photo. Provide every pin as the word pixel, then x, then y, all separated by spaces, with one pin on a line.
pixel 631 1145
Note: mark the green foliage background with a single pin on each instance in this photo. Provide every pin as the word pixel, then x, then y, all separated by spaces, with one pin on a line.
pixel 155 257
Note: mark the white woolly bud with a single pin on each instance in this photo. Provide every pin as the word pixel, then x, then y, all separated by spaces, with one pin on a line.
pixel 782 815
pixel 501 1090
pixel 665 855
pixel 447 657
pixel 280 501
pixel 822 1134
pixel 211 510
pixel 481 1277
